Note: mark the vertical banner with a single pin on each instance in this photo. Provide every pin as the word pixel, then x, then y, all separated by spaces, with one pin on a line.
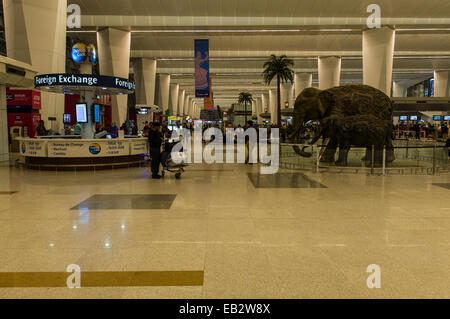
pixel 209 101
pixel 202 84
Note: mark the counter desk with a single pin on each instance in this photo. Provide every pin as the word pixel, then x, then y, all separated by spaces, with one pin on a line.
pixel 79 154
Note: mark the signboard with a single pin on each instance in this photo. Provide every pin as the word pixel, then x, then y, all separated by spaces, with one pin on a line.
pixel 23 99
pixel 100 148
pixel 84 80
pixel 202 76
pixel 209 101
pixel 81 52
pixel 138 147
pixel 33 148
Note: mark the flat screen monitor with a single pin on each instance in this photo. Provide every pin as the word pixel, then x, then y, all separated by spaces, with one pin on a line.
pixel 413 118
pixel 437 118
pixel 143 111
pixel 97 113
pixel 81 110
pixel 447 118
pixel 109 136
pixel 67 118
pixel 404 118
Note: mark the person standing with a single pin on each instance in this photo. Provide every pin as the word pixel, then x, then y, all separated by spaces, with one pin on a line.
pixel 155 139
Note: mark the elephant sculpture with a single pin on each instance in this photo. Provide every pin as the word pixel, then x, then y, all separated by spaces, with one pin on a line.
pixel 354 115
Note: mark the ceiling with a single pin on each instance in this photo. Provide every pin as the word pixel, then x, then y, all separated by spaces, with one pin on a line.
pixel 244 33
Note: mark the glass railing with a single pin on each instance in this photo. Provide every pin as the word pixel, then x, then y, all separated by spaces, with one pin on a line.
pixel 411 158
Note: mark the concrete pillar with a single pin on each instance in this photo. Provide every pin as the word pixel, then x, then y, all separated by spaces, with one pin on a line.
pixel 173 104
pixel 186 105
pixel 35 33
pixel 164 91
pixel 181 95
pixel 378 58
pixel 265 103
pixel 4 143
pixel 114 60
pixel 286 94
pixel 145 79
pixel 329 72
pixel 302 81
pixel 400 89
pixel 441 83
pixel 273 106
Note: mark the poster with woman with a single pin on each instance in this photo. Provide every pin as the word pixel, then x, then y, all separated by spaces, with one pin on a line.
pixel 202 68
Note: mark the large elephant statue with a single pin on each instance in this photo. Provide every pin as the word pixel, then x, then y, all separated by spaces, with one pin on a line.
pixel 354 115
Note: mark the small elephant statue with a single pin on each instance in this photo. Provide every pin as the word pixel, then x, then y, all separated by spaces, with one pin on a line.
pixel 353 115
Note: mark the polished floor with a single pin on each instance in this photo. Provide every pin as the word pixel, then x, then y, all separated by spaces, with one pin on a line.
pixel 223 231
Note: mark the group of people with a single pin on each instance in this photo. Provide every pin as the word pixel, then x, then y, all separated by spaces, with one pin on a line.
pixel 429 130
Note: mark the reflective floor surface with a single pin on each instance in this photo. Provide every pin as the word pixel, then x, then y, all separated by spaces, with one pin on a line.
pixel 223 231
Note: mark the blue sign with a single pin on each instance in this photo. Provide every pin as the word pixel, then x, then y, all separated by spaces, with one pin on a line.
pixel 95 149
pixel 67 81
pixel 97 113
pixel 79 52
pixel 202 83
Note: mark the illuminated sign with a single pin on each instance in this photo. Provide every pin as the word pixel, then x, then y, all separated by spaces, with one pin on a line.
pixel 51 80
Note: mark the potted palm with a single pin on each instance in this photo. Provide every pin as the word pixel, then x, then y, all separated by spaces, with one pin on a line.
pixel 281 69
pixel 244 98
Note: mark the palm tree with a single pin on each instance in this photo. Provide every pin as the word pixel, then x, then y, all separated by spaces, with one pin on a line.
pixel 245 97
pixel 280 68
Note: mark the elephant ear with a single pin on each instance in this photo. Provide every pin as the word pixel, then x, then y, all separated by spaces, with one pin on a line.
pixel 327 101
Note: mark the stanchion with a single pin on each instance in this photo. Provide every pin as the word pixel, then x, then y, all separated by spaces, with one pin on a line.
pixel 372 169
pixel 434 159
pixel 384 160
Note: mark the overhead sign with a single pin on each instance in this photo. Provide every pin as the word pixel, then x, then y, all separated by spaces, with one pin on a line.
pixel 202 76
pixel 23 99
pixel 81 52
pixel 66 81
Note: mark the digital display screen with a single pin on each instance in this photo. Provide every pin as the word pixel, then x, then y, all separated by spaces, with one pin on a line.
pixel 437 118
pixel 81 110
pixel 403 118
pixel 97 113
pixel 67 118
pixel 142 111
pixel 413 118
pixel 447 118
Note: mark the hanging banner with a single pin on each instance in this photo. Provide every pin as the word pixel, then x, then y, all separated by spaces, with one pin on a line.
pixel 202 87
pixel 209 101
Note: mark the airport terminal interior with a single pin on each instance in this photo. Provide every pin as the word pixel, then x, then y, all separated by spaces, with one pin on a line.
pixel 351 102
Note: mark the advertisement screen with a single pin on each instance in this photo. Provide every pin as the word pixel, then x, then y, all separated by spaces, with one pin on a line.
pixel 403 118
pixel 413 118
pixel 437 118
pixel 81 110
pixel 447 118
pixel 67 118
pixel 97 113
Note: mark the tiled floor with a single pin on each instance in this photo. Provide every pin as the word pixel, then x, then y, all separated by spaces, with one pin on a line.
pixel 287 236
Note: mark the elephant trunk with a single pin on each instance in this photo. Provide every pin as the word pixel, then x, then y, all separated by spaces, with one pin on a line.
pixel 298 128
pixel 302 151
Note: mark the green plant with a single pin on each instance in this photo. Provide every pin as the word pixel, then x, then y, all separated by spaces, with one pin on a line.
pixel 281 69
pixel 244 98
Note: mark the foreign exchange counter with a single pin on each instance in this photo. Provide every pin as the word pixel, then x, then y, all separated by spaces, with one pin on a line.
pixel 83 154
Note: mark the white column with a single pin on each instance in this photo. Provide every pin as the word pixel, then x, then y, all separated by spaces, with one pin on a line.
pixel 145 80
pixel 114 60
pixel 273 106
pixel 265 103
pixel 4 143
pixel 174 91
pixel 164 91
pixel 286 94
pixel 181 95
pixel 35 33
pixel 400 89
pixel 329 72
pixel 378 58
pixel 186 105
pixel 302 81
pixel 441 83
